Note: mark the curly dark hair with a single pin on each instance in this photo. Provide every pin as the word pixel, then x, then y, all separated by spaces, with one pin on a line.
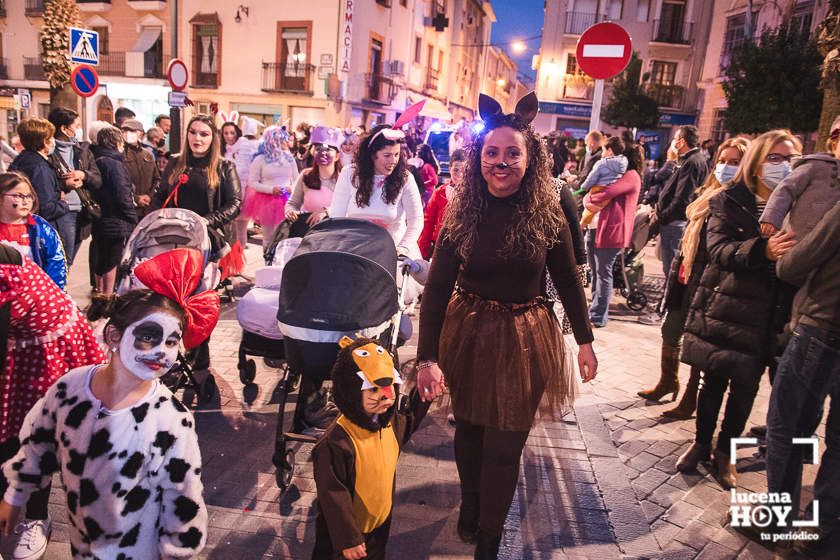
pixel 363 173
pixel 539 216
pixel 425 152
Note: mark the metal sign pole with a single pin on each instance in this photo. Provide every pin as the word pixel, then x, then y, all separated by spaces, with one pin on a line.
pixel 597 99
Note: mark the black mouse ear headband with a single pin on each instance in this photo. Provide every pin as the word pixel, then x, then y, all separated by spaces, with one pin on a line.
pixel 526 108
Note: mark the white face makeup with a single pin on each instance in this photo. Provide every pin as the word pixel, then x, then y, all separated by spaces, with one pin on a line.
pixel 149 347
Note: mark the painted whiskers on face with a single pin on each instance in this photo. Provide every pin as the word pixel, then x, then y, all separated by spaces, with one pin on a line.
pixel 149 347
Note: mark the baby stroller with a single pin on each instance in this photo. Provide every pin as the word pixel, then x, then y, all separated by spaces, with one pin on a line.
pixel 339 282
pixel 628 269
pixel 158 232
pixel 257 312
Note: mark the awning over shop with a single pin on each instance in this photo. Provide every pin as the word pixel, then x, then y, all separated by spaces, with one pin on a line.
pixel 148 37
pixel 433 108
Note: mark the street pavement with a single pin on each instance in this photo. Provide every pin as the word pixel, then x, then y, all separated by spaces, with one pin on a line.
pixel 599 484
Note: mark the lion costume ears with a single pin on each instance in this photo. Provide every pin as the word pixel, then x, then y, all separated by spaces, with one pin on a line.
pixel 526 108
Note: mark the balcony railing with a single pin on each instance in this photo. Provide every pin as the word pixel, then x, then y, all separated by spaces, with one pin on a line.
pixel 431 79
pixel 295 78
pixel 674 32
pixel 34 7
pixel 667 95
pixel 578 22
pixel 154 65
pixel 4 69
pixel 578 86
pixel 379 89
pixel 32 68
pixel 112 64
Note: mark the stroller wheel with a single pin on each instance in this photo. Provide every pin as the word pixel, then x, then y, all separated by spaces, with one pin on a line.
pixel 208 389
pixel 286 470
pixel 248 372
pixel 636 300
pixel 625 293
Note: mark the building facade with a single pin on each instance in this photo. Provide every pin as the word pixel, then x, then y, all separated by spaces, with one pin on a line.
pixel 668 35
pixel 728 32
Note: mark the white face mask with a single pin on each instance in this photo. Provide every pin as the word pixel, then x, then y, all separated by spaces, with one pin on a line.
pixel 725 172
pixel 149 347
pixel 774 173
pixel 131 137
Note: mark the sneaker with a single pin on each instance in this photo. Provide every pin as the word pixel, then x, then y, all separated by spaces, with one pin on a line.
pixel 652 318
pixel 34 535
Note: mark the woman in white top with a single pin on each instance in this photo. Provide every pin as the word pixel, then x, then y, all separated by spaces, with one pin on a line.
pixel 377 187
pixel 270 180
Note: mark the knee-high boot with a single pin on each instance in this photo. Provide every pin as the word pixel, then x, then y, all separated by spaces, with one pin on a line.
pixel 668 380
pixel 688 403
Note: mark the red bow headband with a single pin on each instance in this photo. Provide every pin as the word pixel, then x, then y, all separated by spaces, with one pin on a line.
pixel 175 274
pixel 396 132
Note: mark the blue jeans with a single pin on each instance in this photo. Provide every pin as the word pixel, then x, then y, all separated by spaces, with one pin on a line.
pixel 602 279
pixel 670 236
pixel 808 373
pixel 66 228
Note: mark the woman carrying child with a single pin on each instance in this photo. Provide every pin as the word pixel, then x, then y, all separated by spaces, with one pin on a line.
pixel 126 447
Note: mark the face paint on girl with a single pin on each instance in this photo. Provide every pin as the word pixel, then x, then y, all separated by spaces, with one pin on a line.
pixel 375 401
pixel 324 155
pixel 149 347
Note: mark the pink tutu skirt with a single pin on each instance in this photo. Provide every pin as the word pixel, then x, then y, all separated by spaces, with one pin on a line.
pixel 267 209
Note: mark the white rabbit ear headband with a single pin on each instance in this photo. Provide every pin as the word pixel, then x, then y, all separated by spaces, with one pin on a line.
pixel 232 117
pixel 396 132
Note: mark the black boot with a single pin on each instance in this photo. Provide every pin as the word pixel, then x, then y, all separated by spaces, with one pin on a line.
pixel 487 546
pixel 468 517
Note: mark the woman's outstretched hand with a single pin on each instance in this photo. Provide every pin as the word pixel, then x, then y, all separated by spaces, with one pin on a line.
pixel 587 362
pixel 430 382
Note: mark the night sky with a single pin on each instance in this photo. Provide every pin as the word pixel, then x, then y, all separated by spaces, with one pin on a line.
pixel 518 19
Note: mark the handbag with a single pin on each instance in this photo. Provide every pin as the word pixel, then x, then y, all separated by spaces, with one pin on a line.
pixel 674 289
pixel 90 207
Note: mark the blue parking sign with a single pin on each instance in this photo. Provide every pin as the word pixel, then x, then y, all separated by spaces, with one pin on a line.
pixel 84 46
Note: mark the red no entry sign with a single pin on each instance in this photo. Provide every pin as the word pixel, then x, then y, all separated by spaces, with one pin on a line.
pixel 84 80
pixel 604 50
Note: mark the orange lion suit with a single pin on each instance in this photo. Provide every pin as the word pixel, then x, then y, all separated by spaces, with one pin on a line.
pixel 356 459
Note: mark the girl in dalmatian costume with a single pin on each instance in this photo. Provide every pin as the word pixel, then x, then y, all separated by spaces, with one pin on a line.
pixel 125 447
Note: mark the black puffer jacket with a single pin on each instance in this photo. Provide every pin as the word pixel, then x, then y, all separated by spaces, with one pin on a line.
pixel 739 309
pixel 224 202
pixel 115 197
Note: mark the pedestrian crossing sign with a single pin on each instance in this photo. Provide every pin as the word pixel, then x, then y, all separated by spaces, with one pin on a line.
pixel 84 46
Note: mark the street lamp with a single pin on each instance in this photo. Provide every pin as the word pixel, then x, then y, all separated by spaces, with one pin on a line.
pixel 518 47
pixel 501 82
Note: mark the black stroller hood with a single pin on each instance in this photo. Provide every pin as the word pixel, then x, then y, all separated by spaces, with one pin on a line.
pixel 341 278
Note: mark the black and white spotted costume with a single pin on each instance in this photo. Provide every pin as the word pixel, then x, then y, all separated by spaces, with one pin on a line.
pixel 132 476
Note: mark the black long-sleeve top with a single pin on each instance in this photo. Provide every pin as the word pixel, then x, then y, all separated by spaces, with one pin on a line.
pixel 508 278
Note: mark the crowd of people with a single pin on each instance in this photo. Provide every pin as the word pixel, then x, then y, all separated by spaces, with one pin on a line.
pixel 748 233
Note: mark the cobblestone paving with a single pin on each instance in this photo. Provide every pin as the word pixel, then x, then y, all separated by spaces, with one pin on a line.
pixel 600 484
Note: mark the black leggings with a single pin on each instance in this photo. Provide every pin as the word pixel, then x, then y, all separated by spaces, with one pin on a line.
pixel 36 507
pixel 742 391
pixel 488 465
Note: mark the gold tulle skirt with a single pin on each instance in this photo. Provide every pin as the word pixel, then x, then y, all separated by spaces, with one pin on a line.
pixel 503 362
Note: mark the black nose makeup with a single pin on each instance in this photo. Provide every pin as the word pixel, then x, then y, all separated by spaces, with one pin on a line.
pixel 502 165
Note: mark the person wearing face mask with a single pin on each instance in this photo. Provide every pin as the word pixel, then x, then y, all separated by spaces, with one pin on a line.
pixel 117 421
pixel 678 192
pixel 804 189
pixel 739 308
pixel 75 166
pixel 36 135
pixel 684 278
pixel 142 169
pixel 119 216
pixel 44 336
pixel 155 140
